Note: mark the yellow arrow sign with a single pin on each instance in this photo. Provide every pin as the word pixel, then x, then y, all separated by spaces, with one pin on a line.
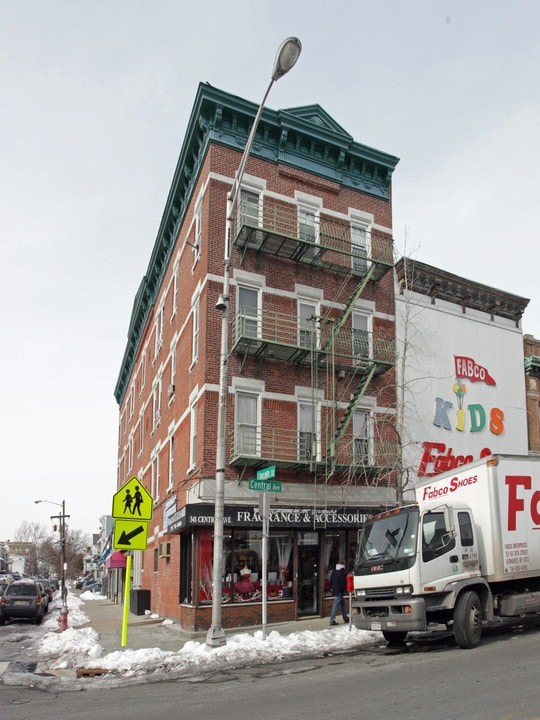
pixel 132 501
pixel 130 535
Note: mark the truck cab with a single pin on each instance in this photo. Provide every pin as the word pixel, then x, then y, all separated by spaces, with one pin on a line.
pixel 412 565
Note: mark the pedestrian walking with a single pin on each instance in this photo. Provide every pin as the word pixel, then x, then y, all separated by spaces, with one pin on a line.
pixel 338 585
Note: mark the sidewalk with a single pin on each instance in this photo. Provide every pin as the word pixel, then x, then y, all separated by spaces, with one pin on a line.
pixel 144 631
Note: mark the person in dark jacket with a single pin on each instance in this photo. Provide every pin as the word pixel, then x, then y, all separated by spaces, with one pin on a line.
pixel 338 585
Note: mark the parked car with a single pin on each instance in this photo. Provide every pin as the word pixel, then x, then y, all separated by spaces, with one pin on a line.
pixel 55 582
pixel 44 595
pixel 48 587
pixel 22 599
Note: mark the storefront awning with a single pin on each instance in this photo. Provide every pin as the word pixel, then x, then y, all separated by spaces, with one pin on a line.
pixel 116 560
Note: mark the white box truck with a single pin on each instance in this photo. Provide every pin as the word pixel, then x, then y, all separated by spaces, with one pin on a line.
pixel 467 553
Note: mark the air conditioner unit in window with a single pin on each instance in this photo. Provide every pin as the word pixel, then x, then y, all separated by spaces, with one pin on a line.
pixel 164 550
pixel 170 390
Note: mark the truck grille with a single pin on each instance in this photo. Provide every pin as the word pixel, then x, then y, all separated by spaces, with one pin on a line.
pixel 380 592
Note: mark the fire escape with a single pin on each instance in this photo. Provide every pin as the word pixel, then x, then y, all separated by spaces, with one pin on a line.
pixel 342 360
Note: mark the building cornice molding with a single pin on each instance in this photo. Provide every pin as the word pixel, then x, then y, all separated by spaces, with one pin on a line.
pixel 415 276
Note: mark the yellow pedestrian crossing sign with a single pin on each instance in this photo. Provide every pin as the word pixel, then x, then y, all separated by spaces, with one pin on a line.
pixel 132 502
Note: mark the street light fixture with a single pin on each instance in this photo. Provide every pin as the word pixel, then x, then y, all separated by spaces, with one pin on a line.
pixel 62 519
pixel 286 57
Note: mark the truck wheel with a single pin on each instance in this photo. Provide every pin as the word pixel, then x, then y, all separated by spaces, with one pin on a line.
pixel 394 638
pixel 468 620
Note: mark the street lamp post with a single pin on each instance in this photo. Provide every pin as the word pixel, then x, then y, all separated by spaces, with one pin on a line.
pixel 286 57
pixel 62 520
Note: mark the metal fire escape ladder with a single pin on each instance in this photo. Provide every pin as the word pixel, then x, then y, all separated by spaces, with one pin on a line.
pixel 352 300
pixel 353 404
pixel 367 372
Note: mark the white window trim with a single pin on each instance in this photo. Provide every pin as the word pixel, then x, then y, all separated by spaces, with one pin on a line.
pixel 257 290
pixel 155 473
pixel 193 412
pixel 358 312
pixel 258 422
pixel 317 313
pixel 175 289
pixel 370 439
pixel 170 485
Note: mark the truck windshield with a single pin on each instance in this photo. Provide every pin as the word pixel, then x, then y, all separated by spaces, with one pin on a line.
pixel 388 538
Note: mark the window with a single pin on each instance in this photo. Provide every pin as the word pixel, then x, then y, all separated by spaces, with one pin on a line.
pixel 171 463
pixel 359 247
pixel 248 304
pixel 141 432
pixel 154 467
pixel 361 437
pixel 465 529
pixel 307 229
pixel 196 330
pixel 243 566
pixel 130 452
pixel 175 290
pixel 307 333
pixel 360 336
pixel 131 402
pixel 156 403
pixel 173 369
pixel 307 448
pixel 249 208
pixel 158 331
pixel 198 229
pixel 143 370
pixel 436 540
pixel 193 434
pixel 247 411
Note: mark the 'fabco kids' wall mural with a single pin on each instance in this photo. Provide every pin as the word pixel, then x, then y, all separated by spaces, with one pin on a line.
pixel 461 414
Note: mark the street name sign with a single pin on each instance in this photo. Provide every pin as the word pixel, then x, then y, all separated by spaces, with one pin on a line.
pixel 266 473
pixel 264 485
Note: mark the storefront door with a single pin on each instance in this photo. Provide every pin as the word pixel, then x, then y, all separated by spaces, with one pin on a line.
pixel 308 574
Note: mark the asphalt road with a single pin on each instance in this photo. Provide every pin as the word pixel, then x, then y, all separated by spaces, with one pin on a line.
pixel 499 680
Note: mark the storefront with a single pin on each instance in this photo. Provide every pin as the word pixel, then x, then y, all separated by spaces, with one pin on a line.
pixel 304 545
pixel 116 576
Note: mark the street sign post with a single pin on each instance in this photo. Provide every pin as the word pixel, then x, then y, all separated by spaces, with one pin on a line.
pixel 132 509
pixel 264 483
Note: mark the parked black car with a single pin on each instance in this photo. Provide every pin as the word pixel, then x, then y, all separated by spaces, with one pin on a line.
pixel 45 599
pixel 48 587
pixel 22 599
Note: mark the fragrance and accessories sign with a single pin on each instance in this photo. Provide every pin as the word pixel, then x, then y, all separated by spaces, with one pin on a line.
pixel 282 517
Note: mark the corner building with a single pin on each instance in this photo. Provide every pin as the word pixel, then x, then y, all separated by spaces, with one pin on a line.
pixel 310 372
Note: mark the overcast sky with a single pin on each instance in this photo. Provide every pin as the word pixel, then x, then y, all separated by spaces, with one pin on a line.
pixel 94 103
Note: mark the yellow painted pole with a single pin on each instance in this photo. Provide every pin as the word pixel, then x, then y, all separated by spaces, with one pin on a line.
pixel 126 600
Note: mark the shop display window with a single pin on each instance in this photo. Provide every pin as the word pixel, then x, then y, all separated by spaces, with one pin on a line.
pixel 242 579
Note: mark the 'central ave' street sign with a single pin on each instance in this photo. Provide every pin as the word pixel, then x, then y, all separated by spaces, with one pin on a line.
pixel 264 485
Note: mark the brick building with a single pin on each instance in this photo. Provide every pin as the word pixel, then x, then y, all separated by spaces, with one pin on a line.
pixel 532 381
pixel 311 387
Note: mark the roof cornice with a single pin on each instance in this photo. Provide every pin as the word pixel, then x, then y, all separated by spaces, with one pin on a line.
pixel 438 284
